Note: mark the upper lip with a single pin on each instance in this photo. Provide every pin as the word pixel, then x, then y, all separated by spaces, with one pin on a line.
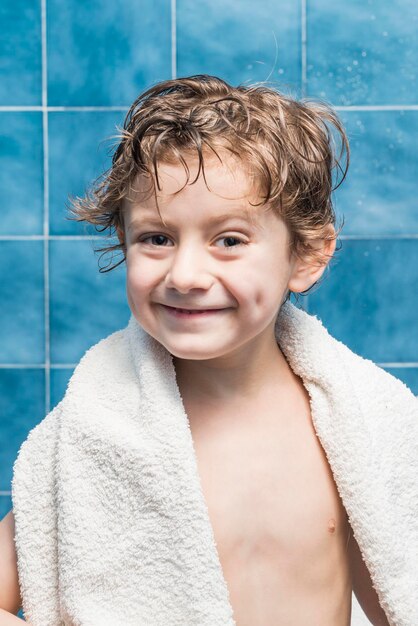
pixel 192 308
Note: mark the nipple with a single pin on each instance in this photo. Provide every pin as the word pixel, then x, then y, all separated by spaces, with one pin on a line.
pixel 331 525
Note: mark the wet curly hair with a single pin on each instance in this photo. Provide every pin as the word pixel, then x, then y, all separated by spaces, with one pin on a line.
pixel 288 147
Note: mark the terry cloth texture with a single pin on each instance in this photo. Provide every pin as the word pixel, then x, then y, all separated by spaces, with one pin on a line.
pixel 111 523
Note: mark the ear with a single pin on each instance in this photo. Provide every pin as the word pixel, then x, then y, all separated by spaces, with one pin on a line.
pixel 306 272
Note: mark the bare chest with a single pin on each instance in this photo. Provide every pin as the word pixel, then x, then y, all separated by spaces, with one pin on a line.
pixel 279 524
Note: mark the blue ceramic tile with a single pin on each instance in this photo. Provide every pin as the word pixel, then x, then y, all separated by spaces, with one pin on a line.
pixel 22 302
pixel 80 149
pixel 408 375
pixel 379 195
pixel 22 406
pixel 363 52
pixel 59 381
pixel 237 41
pixel 103 53
pixel 370 298
pixel 85 305
pixel 21 173
pixel 20 53
pixel 5 505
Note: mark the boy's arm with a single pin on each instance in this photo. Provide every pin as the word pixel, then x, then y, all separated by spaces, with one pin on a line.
pixel 362 586
pixel 10 599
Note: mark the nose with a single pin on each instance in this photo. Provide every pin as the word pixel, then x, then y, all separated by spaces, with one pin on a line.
pixel 187 270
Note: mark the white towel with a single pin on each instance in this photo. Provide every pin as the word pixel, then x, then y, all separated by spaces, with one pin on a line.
pixel 111 524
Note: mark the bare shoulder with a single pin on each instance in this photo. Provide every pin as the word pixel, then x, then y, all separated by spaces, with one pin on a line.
pixel 10 599
pixel 363 588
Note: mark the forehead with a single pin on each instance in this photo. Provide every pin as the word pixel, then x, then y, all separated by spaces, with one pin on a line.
pixel 226 183
pixel 227 191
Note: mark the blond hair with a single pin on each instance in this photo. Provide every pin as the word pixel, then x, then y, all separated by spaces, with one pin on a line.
pixel 287 146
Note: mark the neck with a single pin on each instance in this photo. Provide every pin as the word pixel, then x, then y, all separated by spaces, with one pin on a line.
pixel 243 375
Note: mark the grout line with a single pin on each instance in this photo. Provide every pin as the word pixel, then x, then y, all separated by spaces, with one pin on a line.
pixel 173 39
pixel 37 366
pixel 58 109
pixel 50 237
pixel 406 365
pixel 303 48
pixel 353 107
pixel 6 109
pixel 46 210
pixel 98 237
pixel 377 237
pixel 378 107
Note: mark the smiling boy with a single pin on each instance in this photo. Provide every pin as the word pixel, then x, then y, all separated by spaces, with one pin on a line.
pixel 206 279
pixel 221 200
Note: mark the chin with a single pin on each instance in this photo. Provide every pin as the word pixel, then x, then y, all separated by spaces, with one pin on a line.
pixel 191 355
pixel 194 353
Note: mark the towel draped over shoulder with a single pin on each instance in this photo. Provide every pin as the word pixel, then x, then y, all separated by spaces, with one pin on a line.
pixel 111 526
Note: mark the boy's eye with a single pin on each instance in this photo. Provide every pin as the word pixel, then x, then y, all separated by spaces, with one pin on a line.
pixel 158 240
pixel 230 241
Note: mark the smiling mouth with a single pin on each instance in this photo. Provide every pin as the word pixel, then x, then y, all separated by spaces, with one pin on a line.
pixel 191 311
pixel 177 312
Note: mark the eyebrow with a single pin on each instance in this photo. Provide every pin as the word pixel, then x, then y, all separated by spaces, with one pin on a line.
pixel 244 214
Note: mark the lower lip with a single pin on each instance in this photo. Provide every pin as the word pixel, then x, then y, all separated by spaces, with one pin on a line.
pixel 191 316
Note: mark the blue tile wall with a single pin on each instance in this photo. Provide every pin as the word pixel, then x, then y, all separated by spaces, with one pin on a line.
pixel 22 405
pixel 69 72
pixel 79 149
pixel 60 376
pixel 21 173
pixel 370 284
pixel 363 53
pixel 21 53
pixel 81 317
pixel 22 329
pixel 241 41
pixel 379 195
pixel 101 53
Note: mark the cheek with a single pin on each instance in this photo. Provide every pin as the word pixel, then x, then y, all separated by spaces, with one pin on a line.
pixel 141 277
pixel 258 283
pixel 248 293
pixel 139 285
pixel 261 289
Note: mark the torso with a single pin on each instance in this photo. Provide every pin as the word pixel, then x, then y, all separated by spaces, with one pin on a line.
pixel 279 524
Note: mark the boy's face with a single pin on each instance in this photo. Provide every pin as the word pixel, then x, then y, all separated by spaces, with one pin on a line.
pixel 209 256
